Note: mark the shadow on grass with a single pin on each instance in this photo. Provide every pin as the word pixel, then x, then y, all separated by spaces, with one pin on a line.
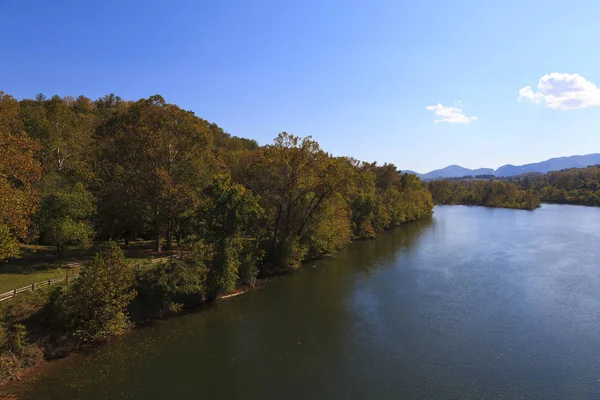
pixel 38 259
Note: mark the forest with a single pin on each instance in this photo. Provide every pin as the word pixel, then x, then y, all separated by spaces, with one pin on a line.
pixel 570 186
pixel 487 192
pixel 580 186
pixel 74 172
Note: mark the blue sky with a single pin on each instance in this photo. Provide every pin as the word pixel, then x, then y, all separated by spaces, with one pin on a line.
pixel 364 78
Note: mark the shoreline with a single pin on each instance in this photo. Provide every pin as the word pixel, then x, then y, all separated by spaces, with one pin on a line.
pixel 30 374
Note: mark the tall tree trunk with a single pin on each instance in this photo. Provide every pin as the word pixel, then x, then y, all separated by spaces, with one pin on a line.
pixel 169 237
pixel 157 242
pixel 157 228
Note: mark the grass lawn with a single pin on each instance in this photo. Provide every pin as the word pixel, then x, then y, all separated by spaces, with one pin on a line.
pixel 39 263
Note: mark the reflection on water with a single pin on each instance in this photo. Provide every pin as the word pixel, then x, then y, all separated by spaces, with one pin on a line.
pixel 475 303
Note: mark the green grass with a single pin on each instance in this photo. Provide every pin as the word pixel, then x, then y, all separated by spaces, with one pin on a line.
pixel 39 263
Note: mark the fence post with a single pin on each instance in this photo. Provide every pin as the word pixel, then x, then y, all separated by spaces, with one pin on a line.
pixel 15 293
pixel 49 282
pixel 32 287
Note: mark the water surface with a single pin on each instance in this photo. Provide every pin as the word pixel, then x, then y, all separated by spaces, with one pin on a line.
pixel 476 303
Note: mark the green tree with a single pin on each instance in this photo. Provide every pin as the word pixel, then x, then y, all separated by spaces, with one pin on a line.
pixel 165 288
pixel 295 179
pixel 398 198
pixel 363 199
pixel 64 128
pixel 230 210
pixel 162 155
pixel 331 231
pixel 96 304
pixel 65 212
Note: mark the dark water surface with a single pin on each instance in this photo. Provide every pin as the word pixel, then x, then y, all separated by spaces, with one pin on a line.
pixel 476 303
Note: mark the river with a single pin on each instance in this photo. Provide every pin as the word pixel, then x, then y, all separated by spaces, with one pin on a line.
pixel 474 303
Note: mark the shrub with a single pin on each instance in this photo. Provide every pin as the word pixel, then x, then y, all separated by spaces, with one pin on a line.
pixel 96 304
pixel 16 353
pixel 167 287
pixel 249 260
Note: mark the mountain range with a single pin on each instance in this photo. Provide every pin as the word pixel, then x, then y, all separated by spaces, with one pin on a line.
pixel 553 164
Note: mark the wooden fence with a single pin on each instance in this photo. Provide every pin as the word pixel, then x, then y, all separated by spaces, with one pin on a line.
pixel 30 288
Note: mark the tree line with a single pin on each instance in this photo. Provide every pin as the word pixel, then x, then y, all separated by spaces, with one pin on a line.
pixel 580 186
pixel 489 193
pixel 570 186
pixel 74 171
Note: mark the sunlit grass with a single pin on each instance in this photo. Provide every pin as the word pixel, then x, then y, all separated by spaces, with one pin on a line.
pixel 39 263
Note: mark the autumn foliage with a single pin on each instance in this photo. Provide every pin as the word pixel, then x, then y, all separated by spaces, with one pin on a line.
pixel 19 171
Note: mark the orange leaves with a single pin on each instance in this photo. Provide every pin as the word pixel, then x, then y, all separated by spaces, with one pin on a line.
pixel 18 200
pixel 16 158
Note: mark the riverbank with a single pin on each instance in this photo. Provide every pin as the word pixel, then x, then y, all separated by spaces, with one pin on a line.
pixel 39 323
pixel 24 307
pixel 33 358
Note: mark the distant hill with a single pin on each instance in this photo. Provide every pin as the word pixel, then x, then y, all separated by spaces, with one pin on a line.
pixel 451 171
pixel 553 164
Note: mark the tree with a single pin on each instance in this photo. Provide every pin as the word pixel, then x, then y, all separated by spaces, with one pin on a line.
pixel 382 198
pixel 10 118
pixel 231 209
pixel 331 231
pixel 96 304
pixel 363 199
pixel 64 128
pixel 296 179
pixel 65 212
pixel 166 287
pixel 18 199
pixel 162 154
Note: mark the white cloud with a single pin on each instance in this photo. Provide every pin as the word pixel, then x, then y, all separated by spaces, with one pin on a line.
pixel 563 92
pixel 452 115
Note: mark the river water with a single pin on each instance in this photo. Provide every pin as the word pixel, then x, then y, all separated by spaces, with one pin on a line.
pixel 475 303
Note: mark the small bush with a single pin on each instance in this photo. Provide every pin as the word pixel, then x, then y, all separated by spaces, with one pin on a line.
pixel 16 353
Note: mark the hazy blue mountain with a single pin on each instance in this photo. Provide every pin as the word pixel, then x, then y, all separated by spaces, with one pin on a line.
pixel 408 171
pixel 455 171
pixel 553 164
